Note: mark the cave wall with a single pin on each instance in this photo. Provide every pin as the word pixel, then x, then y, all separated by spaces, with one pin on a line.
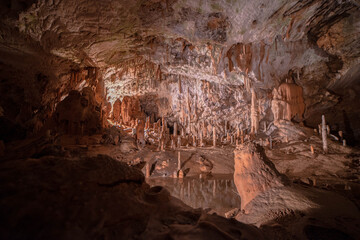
pixel 196 59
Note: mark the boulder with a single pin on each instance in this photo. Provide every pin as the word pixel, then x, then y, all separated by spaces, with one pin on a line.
pixel 254 173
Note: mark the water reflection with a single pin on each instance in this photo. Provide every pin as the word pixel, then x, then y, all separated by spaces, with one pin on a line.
pixel 218 192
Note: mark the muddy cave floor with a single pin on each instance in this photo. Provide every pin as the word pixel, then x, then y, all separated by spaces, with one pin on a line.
pixel 335 177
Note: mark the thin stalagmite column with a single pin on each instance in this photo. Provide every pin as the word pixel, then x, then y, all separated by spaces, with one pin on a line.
pixel 175 129
pixel 254 113
pixel 179 141
pixel 179 162
pixel 324 134
pixel 204 129
pixel 312 149
pixel 344 142
pixel 328 129
pixel 147 125
pixel 163 124
pixel 214 136
pixel 226 132
pixel 147 170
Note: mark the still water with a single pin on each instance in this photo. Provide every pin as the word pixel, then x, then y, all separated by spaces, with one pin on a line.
pixel 216 192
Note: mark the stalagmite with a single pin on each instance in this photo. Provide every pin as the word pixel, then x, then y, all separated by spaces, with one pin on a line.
pixel 179 141
pixel 175 129
pixel 312 149
pixel 204 130
pixel 179 162
pixel 226 132
pixel 147 126
pixel 327 129
pixel 344 142
pixel 163 124
pixel 181 174
pixel 214 136
pixel 254 113
pixel 147 170
pixel 172 144
pixel 201 139
pixel 341 135
pixel 323 134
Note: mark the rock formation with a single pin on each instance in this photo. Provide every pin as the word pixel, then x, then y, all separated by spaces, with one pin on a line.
pixel 288 102
pixel 116 111
pixel 130 110
pixel 78 113
pixel 254 173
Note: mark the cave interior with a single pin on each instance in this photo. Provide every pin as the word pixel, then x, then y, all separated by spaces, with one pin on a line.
pixel 180 119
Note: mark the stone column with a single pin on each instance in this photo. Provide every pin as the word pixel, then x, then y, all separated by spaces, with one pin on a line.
pixel 254 113
pixel 214 136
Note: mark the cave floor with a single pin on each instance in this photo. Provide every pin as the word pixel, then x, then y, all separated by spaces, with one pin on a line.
pixel 208 181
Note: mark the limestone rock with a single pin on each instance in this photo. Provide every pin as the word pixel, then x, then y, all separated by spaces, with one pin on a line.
pixel 254 173
pixel 78 113
pixel 117 111
pixel 130 110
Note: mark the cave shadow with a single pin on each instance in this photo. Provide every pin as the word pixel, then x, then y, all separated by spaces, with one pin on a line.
pixel 349 133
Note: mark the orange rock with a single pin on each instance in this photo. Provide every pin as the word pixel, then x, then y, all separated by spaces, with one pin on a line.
pixel 116 115
pixel 254 173
pixel 131 109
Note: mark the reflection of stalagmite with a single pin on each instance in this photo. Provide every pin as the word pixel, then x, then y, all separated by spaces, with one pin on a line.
pixel 254 113
pixel 324 135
